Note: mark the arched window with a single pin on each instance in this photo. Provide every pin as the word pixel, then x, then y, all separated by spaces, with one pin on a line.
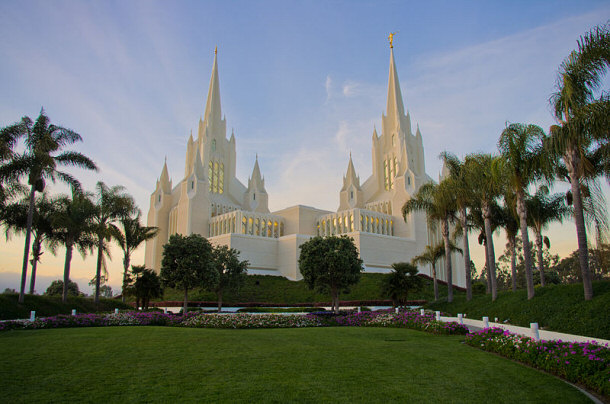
pixel 213 145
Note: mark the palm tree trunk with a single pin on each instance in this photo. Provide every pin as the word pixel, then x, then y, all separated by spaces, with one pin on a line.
pixel 26 251
pixel 435 282
pixel 572 161
pixel 98 271
pixel 527 253
pixel 35 254
pixel 186 300
pixel 539 252
pixel 513 263
pixel 219 294
pixel 64 295
pixel 125 270
pixel 448 271
pixel 466 248
pixel 487 276
pixel 492 256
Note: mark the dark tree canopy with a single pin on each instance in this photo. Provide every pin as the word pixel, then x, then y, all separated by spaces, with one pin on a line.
pixel 145 285
pixel 56 288
pixel 330 264
pixel 188 263
pixel 400 282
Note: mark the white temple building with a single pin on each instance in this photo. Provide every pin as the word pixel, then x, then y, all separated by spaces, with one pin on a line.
pixel 211 201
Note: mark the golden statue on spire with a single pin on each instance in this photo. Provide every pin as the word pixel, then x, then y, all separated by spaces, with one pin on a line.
pixel 391 38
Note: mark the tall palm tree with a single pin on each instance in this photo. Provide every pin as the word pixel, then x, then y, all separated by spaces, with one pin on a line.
pixel 460 181
pixel 74 228
pixel 487 176
pixel 522 149
pixel 438 202
pixel 583 119
pixel 510 223
pixel 431 255
pixel 132 236
pixel 544 209
pixel 15 218
pixel 43 154
pixel 111 205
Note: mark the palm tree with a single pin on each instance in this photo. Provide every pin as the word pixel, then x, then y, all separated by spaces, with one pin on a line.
pixel 438 201
pixel 460 180
pixel 510 223
pixel 132 236
pixel 15 218
pixel 544 209
pixel 112 205
pixel 73 223
pixel 521 147
pixel 431 255
pixel 486 174
pixel 583 120
pixel 43 154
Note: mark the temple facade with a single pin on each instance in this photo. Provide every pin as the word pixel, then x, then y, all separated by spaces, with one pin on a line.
pixel 211 201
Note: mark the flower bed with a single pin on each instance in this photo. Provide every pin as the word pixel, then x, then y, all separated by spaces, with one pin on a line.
pixel 585 363
pixel 387 318
pixel 243 320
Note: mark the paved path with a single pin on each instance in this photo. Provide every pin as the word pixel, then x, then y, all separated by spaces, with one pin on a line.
pixel 476 325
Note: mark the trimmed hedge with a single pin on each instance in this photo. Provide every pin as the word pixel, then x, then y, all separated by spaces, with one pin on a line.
pixel 45 306
pixel 560 308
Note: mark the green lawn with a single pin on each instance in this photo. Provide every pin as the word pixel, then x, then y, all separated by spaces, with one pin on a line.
pixel 166 364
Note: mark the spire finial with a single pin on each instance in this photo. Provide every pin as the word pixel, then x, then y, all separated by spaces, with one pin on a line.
pixel 391 38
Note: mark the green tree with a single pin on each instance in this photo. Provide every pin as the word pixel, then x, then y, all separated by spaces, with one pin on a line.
pixel 583 118
pixel 111 205
pixel 402 280
pixel 460 182
pixel 133 234
pixel 56 288
pixel 544 209
pixel 188 262
pixel 486 172
pixel 9 184
pixel 510 223
pixel 438 202
pixel 430 256
pixel 15 218
pixel 43 154
pixel 145 286
pixel 73 225
pixel 521 147
pixel 231 271
pixel 330 264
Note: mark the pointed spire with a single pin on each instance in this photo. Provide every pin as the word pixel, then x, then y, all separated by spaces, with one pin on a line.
pixel 350 176
pixel 212 108
pixel 417 132
pixel 164 179
pixel 256 172
pixel 394 108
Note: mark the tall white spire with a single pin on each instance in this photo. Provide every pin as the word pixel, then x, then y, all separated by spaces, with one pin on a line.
pixel 213 113
pixel 350 177
pixel 394 107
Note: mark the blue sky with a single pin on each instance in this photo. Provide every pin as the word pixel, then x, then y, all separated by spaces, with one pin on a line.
pixel 302 84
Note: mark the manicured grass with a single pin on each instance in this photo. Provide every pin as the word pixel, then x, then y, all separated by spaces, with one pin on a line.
pixel 343 365
pixel 276 289
pixel 50 306
pixel 559 308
